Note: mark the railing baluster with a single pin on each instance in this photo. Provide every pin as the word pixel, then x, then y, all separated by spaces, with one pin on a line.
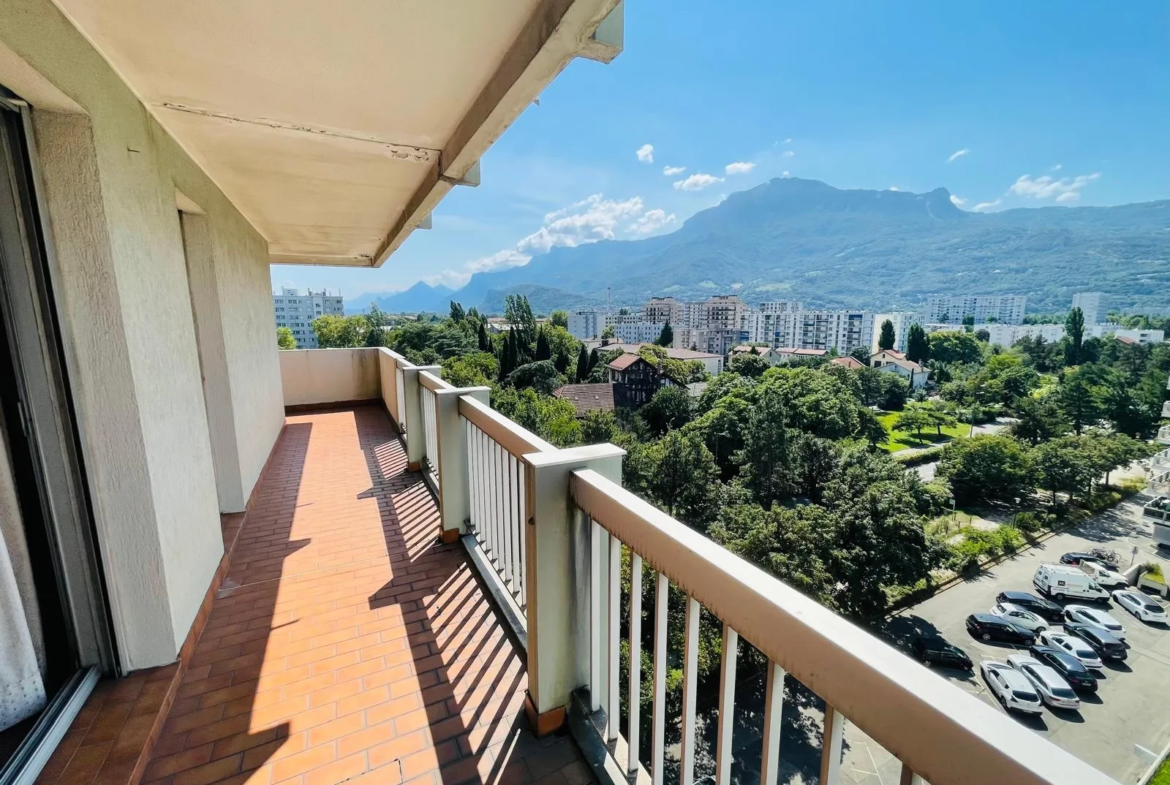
pixel 523 538
pixel 633 727
pixel 690 686
pixel 498 504
pixel 658 731
pixel 506 532
pixel 614 707
pixel 726 706
pixel 595 623
pixel 834 732
pixel 773 711
pixel 514 525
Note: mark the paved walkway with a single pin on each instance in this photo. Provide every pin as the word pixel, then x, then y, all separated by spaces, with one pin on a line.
pixel 347 645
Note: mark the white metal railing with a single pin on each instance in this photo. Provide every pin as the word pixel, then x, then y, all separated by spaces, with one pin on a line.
pixel 1161 458
pixel 496 447
pixel 938 732
pixel 428 384
pixel 1164 434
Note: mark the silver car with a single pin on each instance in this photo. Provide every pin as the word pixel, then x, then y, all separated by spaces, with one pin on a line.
pixel 1019 616
pixel 1070 644
pixel 1145 608
pixel 1053 689
pixel 1095 617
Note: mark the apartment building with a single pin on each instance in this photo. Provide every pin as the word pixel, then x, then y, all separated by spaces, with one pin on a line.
pixel 1000 308
pixel 1092 305
pixel 1008 334
pixel 586 324
pixel 297 311
pixel 787 325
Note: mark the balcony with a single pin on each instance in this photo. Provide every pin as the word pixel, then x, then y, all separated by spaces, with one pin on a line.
pixel 489 572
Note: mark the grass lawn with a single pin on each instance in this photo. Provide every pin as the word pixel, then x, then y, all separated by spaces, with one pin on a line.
pixel 902 441
pixel 1162 775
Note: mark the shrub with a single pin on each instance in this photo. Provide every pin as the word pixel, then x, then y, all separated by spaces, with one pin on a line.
pixel 1027 522
pixel 978 543
pixel 918 457
pixel 1153 571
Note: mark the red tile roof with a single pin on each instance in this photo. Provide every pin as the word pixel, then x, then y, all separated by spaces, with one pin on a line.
pixel 625 361
pixel 848 362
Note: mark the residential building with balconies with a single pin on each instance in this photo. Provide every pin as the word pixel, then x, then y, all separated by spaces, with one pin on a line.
pixel 297 311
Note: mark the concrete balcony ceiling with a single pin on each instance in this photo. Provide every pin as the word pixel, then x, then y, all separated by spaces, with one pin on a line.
pixel 336 128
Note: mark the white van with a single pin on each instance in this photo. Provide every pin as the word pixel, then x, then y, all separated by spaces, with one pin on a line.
pixel 1060 580
pixel 1104 577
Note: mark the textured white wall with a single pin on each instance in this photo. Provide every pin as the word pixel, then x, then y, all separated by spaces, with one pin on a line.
pixel 313 376
pixel 110 181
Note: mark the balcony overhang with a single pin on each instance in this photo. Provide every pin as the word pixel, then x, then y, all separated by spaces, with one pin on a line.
pixel 336 128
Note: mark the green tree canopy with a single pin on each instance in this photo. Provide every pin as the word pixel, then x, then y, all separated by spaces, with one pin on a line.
pixel 748 364
pixel 541 376
pixel 339 332
pixel 951 346
pixel 917 344
pixel 987 468
pixel 559 319
pixel 669 409
pixel 681 478
pixel 1074 333
pixel 285 339
pixel 887 337
pixel 666 337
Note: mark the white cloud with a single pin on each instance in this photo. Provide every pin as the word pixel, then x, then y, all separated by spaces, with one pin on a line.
pixel 788 140
pixel 983 207
pixel 646 153
pixel 1058 167
pixel 789 153
pixel 957 155
pixel 587 221
pixel 739 167
pixel 696 182
pixel 785 174
pixel 671 171
pixel 894 188
pixel 958 201
pixel 651 221
pixel 1063 189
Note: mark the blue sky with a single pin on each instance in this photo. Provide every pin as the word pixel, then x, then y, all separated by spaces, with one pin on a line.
pixel 1051 102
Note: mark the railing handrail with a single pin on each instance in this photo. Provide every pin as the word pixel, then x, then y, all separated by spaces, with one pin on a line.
pixel 433 382
pixel 515 439
pixel 398 358
pixel 940 732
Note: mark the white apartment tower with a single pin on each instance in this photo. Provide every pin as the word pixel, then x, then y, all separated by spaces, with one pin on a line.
pixel 1092 305
pixel 296 311
pixel 1001 308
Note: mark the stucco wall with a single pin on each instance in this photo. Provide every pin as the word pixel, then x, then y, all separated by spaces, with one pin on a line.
pixel 312 376
pixel 124 302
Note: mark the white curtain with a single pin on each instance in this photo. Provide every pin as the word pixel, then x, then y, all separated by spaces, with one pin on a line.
pixel 22 651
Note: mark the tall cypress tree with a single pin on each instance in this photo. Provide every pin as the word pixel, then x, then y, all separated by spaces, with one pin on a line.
pixel 543 350
pixel 917 345
pixel 485 343
pixel 582 365
pixel 887 337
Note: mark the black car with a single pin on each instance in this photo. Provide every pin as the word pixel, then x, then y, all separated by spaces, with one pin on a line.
pixel 936 651
pixel 1077 675
pixel 1106 646
pixel 1045 609
pixel 1076 557
pixel 992 628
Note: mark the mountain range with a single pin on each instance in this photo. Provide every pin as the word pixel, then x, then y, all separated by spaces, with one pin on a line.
pixel 796 239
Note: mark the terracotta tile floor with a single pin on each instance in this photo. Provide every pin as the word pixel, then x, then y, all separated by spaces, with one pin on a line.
pixel 346 645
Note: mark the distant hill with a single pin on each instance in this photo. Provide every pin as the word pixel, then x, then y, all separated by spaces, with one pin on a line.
pixel 802 239
pixel 419 297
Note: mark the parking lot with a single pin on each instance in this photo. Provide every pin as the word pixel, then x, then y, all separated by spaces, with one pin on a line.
pixel 1119 730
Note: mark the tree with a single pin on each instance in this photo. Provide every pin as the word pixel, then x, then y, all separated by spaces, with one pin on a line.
pixel 986 468
pixel 821 402
pixel 939 417
pixel 681 478
pixel 886 338
pixel 475 369
pixel 748 364
pixel 518 313
pixel 666 337
pixel 553 419
pixel 950 346
pixel 561 363
pixel 285 339
pixel 559 319
pixel 861 354
pixel 983 335
pixel 766 458
pixel 607 334
pixel 669 409
pixel 816 463
pixel 598 427
pixel 722 429
pixel 1074 333
pixel 969 322
pixel 895 390
pixel 913 420
pixel 339 332
pixel 457 313
pixel 582 365
pixel 485 342
pixel 1038 420
pixel 1079 398
pixel 541 376
pixel 917 344
pixel 543 352
pixel 1064 465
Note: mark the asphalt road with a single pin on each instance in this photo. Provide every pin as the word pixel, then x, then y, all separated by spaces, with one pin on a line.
pixel 1121 729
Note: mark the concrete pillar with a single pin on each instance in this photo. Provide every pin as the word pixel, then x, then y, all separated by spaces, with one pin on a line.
pixel 557 564
pixel 416 446
pixel 454 498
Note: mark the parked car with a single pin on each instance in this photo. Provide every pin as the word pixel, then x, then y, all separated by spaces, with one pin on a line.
pixel 936 651
pixel 1018 616
pixel 1045 609
pixel 1074 646
pixel 1073 670
pixel 1010 687
pixel 1095 617
pixel 1104 576
pixel 987 627
pixel 1060 580
pixel 1053 689
pixel 1140 605
pixel 1076 557
pixel 1106 646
